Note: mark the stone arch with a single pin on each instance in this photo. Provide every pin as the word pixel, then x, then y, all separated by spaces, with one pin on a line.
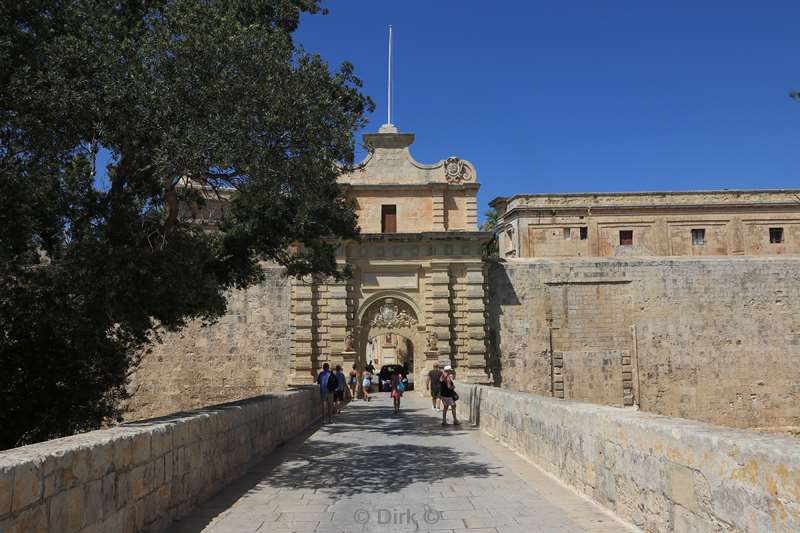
pixel 391 312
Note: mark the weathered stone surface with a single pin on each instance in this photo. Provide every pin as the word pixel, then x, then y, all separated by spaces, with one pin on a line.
pixel 590 224
pixel 140 476
pixel 660 473
pixel 244 354
pixel 714 339
pixel 28 485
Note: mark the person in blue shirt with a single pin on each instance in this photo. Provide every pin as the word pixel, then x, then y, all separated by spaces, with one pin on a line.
pixel 338 395
pixel 327 386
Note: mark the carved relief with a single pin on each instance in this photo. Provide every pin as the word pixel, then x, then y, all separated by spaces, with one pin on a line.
pixel 390 316
pixel 433 342
pixel 348 342
pixel 456 171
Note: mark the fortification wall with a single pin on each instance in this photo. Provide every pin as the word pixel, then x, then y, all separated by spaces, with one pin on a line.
pixel 662 474
pixel 244 354
pixel 141 476
pixel 713 339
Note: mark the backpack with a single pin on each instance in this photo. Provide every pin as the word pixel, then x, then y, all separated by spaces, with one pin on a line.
pixel 401 387
pixel 332 382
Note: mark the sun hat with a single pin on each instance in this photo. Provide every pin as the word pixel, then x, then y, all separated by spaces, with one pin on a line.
pixel 447 367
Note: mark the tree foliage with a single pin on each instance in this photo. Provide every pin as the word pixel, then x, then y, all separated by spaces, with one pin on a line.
pixel 491 248
pixel 211 93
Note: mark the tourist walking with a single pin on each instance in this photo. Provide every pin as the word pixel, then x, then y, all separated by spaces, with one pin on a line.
pixel 327 386
pixel 398 388
pixel 352 382
pixel 341 386
pixel 434 382
pixel 448 395
pixel 366 383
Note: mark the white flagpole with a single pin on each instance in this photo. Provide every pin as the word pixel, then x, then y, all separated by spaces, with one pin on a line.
pixel 389 88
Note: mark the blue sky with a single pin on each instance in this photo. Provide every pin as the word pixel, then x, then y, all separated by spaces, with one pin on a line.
pixel 584 96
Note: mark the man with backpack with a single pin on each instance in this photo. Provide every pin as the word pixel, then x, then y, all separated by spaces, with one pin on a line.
pixel 327 386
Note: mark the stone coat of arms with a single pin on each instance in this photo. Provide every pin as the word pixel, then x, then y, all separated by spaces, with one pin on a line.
pixel 456 171
pixel 390 316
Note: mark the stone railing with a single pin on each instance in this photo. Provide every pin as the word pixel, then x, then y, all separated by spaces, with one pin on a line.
pixel 660 473
pixel 143 475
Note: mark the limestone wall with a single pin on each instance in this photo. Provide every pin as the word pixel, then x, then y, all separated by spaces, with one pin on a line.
pixel 141 476
pixel 244 354
pixel 662 474
pixel 714 339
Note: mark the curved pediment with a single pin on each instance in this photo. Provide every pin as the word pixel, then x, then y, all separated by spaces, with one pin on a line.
pixel 390 163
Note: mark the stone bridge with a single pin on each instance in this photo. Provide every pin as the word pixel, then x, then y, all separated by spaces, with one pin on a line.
pixel 518 463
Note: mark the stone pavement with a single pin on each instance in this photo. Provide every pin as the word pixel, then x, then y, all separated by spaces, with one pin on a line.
pixel 372 470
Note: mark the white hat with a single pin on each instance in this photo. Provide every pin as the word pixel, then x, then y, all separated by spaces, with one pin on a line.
pixel 447 367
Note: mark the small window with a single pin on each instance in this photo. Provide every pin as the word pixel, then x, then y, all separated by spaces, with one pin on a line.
pixel 775 235
pixel 388 219
pixel 626 237
pixel 584 233
pixel 567 234
pixel 698 237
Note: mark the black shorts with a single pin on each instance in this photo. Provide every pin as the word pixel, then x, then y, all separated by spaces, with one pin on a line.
pixel 435 393
pixel 338 396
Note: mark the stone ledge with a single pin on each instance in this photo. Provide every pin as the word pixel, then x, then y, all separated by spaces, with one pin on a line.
pixel 661 473
pixel 141 475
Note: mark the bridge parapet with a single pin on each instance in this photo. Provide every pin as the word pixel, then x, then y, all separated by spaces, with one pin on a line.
pixel 141 476
pixel 660 473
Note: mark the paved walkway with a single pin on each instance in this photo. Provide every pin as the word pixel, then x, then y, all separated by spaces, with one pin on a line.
pixel 372 470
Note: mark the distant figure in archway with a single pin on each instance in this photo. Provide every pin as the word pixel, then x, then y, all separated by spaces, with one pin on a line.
pixel 398 388
pixel 366 383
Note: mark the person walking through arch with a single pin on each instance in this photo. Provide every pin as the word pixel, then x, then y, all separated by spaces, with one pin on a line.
pixel 448 395
pixel 366 383
pixel 398 388
pixel 434 381
pixel 352 382
pixel 338 394
pixel 327 385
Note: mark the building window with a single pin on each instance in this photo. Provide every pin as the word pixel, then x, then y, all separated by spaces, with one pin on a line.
pixel 626 237
pixel 775 235
pixel 698 237
pixel 388 219
pixel 567 234
pixel 584 233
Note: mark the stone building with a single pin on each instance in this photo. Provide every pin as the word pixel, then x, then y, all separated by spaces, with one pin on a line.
pixel 418 271
pixel 696 223
pixel 685 304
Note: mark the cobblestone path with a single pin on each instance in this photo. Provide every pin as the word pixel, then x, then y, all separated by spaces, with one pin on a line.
pixel 372 470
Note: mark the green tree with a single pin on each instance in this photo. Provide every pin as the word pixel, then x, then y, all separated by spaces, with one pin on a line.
pixel 490 249
pixel 213 93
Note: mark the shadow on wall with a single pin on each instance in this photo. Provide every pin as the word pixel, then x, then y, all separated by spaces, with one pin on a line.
pixel 501 292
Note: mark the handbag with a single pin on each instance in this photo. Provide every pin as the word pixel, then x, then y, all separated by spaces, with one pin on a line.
pixel 455 396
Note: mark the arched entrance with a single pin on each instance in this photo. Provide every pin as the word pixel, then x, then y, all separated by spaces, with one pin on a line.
pixel 393 321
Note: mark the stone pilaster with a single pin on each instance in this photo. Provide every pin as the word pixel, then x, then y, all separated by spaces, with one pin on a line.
pixel 337 323
pixel 439 306
pixel 474 320
pixel 303 351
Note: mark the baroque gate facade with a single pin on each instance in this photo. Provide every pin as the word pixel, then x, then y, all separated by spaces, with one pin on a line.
pixel 417 270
